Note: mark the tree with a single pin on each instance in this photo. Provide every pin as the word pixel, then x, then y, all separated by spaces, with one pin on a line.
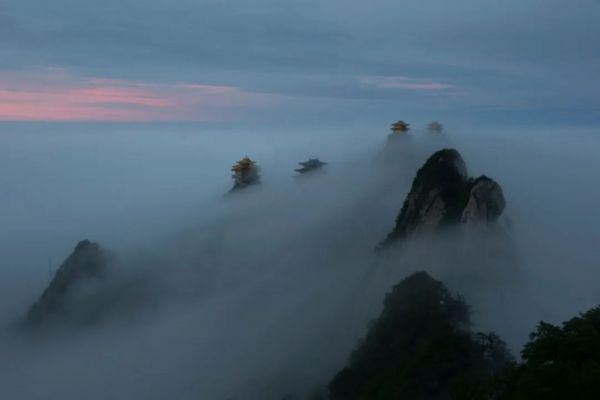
pixel 421 347
pixel 559 362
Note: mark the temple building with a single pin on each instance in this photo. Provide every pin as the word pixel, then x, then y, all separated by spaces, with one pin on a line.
pixel 312 164
pixel 400 127
pixel 435 127
pixel 245 173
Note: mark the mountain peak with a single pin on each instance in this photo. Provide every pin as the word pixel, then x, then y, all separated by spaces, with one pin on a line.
pixel 87 261
pixel 442 194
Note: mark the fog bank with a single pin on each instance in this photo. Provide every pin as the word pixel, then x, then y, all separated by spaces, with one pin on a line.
pixel 266 292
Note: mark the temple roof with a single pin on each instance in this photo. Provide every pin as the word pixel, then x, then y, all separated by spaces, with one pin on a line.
pixel 400 126
pixel 312 162
pixel 244 164
pixel 435 127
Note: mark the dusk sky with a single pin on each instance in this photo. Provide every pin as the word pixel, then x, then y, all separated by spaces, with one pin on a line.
pixel 199 60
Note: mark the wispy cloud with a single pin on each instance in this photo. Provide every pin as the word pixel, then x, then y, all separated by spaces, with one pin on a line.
pixel 54 94
pixel 404 83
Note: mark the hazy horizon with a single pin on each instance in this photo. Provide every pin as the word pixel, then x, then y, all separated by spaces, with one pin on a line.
pixel 120 122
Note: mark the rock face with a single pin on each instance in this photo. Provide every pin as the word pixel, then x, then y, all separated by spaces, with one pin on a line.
pixel 443 194
pixel 87 263
pixel 486 201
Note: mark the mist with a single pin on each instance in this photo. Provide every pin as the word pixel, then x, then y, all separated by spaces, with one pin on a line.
pixel 264 293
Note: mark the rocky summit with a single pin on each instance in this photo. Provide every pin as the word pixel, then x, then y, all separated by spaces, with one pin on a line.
pixel 443 194
pixel 88 262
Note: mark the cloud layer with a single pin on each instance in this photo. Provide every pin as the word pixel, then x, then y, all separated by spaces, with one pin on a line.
pixel 53 94
pixel 535 58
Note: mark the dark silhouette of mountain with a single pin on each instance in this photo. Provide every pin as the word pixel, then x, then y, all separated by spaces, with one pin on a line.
pixel 442 194
pixel 87 263
pixel 89 287
pixel 420 347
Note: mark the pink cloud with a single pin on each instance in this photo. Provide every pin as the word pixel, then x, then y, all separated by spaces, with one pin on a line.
pixel 117 95
pixel 53 94
pixel 403 82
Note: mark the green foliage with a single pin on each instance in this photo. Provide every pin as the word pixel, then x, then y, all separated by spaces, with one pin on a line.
pixel 559 362
pixel 421 347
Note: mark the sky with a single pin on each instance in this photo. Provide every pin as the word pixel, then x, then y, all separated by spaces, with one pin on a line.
pixel 274 60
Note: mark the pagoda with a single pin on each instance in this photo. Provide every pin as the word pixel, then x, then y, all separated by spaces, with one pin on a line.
pixel 399 127
pixel 435 127
pixel 312 164
pixel 245 173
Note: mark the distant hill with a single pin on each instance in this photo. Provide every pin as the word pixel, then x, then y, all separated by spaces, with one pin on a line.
pixel 420 347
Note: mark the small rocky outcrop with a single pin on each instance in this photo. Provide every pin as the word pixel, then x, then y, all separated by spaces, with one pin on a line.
pixel 87 263
pixel 486 201
pixel 442 194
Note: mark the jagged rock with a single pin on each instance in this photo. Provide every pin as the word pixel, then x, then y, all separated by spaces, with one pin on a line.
pixel 486 201
pixel 436 196
pixel 442 194
pixel 87 262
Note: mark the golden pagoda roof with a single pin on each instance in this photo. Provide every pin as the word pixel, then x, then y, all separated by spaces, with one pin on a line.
pixel 400 126
pixel 243 164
